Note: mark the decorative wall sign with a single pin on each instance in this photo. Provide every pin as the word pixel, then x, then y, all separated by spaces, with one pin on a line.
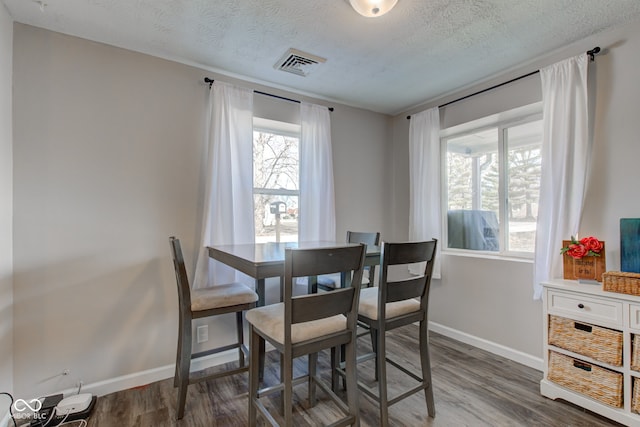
pixel 630 245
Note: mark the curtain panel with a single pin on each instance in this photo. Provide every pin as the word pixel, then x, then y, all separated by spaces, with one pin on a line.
pixel 565 160
pixel 425 211
pixel 228 200
pixel 317 200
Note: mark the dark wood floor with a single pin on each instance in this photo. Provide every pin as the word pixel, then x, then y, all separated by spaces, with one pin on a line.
pixel 472 388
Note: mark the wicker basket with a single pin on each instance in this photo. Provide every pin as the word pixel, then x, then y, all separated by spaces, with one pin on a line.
pixel 635 353
pixel 602 344
pixel 621 282
pixel 591 380
pixel 635 397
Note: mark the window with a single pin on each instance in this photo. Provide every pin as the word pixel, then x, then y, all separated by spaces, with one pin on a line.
pixel 491 185
pixel 276 164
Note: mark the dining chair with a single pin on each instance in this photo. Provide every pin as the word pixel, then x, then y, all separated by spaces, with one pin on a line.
pixel 197 304
pixel 329 283
pixel 304 325
pixel 396 303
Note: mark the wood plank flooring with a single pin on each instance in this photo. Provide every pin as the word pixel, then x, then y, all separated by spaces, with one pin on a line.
pixel 472 388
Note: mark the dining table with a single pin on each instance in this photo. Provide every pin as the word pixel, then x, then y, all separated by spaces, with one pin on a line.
pixel 264 260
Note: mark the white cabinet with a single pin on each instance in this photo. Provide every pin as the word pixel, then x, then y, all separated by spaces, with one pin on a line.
pixel 576 374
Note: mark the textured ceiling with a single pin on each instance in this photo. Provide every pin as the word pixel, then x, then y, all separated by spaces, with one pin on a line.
pixel 419 51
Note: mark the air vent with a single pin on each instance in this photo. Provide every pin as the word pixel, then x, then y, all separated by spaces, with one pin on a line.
pixel 298 62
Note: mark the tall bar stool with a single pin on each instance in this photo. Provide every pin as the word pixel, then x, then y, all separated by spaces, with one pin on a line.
pixel 306 324
pixel 199 303
pixel 394 304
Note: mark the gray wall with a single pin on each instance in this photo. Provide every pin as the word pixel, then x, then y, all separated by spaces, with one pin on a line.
pixel 107 165
pixel 491 300
pixel 6 204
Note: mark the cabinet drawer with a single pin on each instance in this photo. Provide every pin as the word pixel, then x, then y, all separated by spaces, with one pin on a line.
pixel 585 308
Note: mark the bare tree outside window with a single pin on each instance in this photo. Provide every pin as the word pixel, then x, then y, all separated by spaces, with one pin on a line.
pixel 276 165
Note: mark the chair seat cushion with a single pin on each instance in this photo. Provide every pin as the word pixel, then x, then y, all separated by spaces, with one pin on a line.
pixel 270 321
pixel 368 306
pixel 219 296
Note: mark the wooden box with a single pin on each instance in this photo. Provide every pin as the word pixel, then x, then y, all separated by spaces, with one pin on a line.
pixel 586 268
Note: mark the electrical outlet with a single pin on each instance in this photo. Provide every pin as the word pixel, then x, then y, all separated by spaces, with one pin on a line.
pixel 202 333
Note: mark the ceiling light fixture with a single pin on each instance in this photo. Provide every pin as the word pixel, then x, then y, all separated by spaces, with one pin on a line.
pixel 372 8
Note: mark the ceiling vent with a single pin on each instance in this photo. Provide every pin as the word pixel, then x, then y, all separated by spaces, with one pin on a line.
pixel 298 62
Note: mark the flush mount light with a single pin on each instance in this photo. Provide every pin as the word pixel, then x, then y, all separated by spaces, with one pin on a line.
pixel 372 8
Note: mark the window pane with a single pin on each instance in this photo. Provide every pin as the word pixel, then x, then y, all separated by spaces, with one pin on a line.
pixel 523 183
pixel 275 186
pixel 473 193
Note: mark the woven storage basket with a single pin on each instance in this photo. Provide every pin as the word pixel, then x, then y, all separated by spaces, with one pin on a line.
pixel 591 380
pixel 602 344
pixel 635 398
pixel 621 282
pixel 635 353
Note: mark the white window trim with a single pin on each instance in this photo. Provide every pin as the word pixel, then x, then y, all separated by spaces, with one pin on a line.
pixel 501 120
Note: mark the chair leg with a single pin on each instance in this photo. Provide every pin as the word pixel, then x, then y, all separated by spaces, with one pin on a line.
pixel 352 380
pixel 374 346
pixel 334 367
pixel 426 368
pixel 240 332
pixel 282 380
pixel 176 376
pixel 343 353
pixel 382 377
pixel 254 373
pixel 261 351
pixel 184 362
pixel 287 379
pixel 313 362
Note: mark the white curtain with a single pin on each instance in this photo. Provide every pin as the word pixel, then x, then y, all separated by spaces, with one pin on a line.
pixel 565 160
pixel 228 208
pixel 425 213
pixel 317 203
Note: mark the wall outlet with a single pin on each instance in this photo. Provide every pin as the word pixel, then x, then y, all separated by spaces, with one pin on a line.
pixel 202 333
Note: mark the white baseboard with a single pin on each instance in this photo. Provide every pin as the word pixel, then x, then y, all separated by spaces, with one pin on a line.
pixel 148 376
pixel 492 347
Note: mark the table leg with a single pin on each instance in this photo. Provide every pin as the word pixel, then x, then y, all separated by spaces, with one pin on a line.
pixel 260 290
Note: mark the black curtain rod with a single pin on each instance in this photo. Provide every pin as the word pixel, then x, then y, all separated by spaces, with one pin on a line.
pixel 592 53
pixel 210 82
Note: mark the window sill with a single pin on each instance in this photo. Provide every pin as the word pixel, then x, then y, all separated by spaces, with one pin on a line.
pixel 487 255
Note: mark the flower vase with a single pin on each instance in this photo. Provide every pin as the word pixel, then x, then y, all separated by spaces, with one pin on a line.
pixel 587 268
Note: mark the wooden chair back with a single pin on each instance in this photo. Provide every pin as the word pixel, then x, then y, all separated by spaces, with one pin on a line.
pixel 314 262
pixel 405 254
pixel 182 280
pixel 369 239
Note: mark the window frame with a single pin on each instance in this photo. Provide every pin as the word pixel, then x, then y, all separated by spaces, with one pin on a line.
pixel 501 121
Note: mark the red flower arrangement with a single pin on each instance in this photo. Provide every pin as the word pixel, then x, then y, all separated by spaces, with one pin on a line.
pixel 587 246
